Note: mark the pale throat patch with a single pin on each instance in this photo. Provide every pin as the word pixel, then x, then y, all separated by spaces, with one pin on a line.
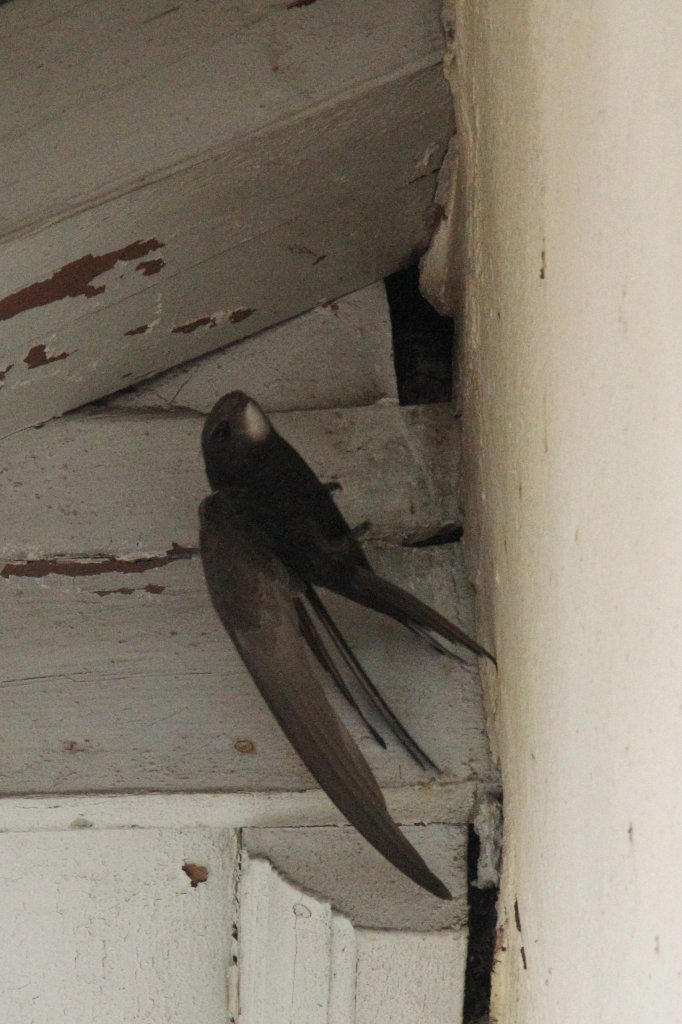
pixel 256 424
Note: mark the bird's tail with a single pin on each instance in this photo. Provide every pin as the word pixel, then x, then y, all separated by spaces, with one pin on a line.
pixel 375 592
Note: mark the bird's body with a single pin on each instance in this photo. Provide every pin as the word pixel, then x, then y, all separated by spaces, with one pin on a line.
pixel 270 534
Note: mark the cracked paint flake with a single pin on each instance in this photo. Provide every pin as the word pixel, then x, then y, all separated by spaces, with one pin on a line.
pixel 194 325
pixel 37 356
pixel 42 567
pixel 149 267
pixel 237 315
pixel 196 873
pixel 151 588
pixel 3 373
pixel 74 279
pixel 142 329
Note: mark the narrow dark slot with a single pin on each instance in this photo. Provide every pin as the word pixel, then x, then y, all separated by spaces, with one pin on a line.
pixel 482 930
pixel 422 342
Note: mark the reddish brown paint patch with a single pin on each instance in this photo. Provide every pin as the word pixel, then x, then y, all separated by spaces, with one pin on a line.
pixel 73 279
pixel 42 567
pixel 196 873
pixel 151 588
pixel 205 321
pixel 37 356
pixel 3 373
pixel 142 329
pixel 299 3
pixel 237 315
pixel 149 267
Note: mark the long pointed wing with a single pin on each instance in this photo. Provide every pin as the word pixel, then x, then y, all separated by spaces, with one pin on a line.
pixel 367 686
pixel 254 597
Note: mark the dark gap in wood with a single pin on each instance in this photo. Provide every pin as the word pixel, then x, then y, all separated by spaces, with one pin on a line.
pixel 482 935
pixel 448 534
pixel 422 342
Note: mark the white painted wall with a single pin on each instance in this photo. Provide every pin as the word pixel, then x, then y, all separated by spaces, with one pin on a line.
pixel 571 120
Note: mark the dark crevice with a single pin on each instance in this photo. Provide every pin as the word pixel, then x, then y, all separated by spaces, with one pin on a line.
pixel 422 342
pixel 448 534
pixel 482 930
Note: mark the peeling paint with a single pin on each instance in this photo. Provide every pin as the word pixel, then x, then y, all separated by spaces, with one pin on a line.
pixel 196 873
pixel 151 588
pixel 149 267
pixel 194 325
pixel 42 567
pixel 237 315
pixel 142 329
pixel 73 279
pixel 3 373
pixel 37 356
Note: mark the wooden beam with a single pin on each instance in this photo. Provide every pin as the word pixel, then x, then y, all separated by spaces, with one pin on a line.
pixel 336 355
pixel 127 484
pixel 199 174
pixel 126 682
pixel 336 864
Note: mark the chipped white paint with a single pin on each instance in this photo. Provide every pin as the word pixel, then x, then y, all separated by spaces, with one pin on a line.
pixel 106 926
pixel 303 963
pixel 337 355
pixel 249 161
pixel 128 484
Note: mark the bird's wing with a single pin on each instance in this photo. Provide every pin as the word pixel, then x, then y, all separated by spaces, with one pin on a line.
pixel 255 598
pixel 365 684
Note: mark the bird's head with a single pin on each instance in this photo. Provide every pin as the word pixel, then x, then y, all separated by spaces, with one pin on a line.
pixel 234 430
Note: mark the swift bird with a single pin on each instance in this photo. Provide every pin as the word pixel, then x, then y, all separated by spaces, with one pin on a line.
pixel 269 534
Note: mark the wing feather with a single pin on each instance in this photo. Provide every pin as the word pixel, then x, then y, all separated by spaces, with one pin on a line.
pixel 254 596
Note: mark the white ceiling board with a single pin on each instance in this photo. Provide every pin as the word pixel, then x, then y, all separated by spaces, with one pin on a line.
pixel 120 682
pixel 101 926
pixel 336 355
pixel 111 95
pixel 301 962
pixel 195 178
pixel 126 484
pixel 336 864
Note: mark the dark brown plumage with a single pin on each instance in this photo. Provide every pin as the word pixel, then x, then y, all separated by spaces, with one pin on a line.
pixel 270 534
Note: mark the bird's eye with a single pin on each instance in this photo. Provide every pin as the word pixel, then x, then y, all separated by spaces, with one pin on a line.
pixel 221 433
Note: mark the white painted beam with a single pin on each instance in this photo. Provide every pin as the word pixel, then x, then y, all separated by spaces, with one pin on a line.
pixel 120 682
pixel 303 963
pixel 128 484
pixel 201 172
pixel 336 355
pixel 336 864
pixel 107 926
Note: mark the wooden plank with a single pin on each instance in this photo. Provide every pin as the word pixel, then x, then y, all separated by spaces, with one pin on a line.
pixel 337 865
pixel 285 951
pixel 301 963
pixel 335 356
pixel 127 682
pixel 106 926
pixel 199 76
pixel 218 191
pixel 405 978
pixel 447 802
pixel 127 484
